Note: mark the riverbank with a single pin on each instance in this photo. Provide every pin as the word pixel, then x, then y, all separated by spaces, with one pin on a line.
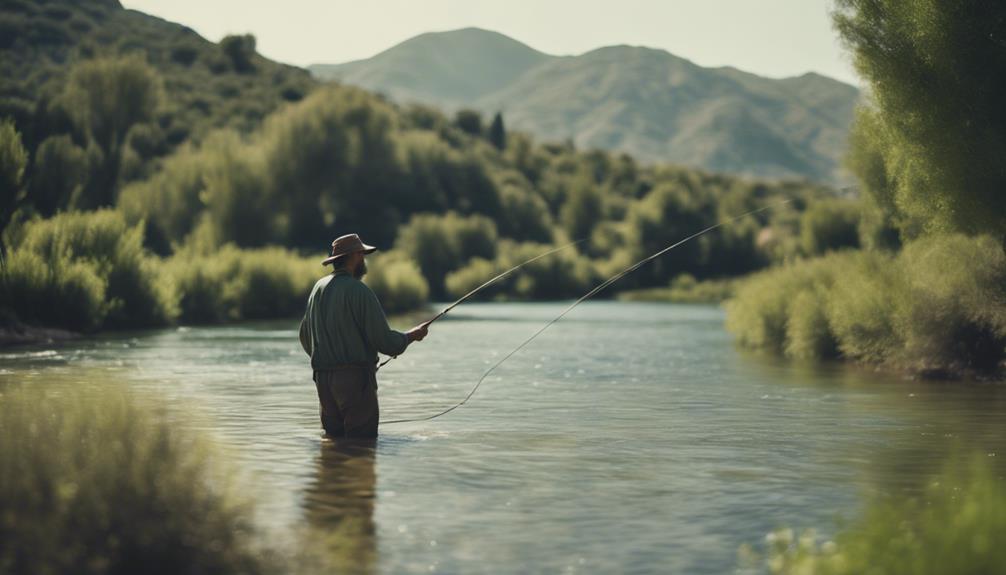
pixel 18 334
pixel 936 309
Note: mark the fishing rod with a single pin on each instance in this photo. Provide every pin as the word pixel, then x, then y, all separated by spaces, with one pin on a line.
pixel 582 299
pixel 486 284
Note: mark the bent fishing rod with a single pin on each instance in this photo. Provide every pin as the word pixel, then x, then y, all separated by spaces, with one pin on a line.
pixel 582 299
pixel 484 285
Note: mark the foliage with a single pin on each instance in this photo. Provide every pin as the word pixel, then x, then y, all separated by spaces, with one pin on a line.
pixel 107 97
pixel 950 528
pixel 232 284
pixel 241 50
pixel 60 173
pixel 830 225
pixel 100 482
pixel 497 132
pixel 685 289
pixel 397 281
pixel 12 163
pixel 937 73
pixel 936 308
pixel 62 293
pixel 441 244
pixel 560 275
pixel 91 257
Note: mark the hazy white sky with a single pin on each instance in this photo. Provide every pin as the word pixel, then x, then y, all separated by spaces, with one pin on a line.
pixel 773 38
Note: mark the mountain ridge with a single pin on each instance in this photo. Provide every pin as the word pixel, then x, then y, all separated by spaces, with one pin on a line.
pixel 645 101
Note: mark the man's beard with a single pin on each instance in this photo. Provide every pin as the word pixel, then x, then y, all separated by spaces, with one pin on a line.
pixel 361 270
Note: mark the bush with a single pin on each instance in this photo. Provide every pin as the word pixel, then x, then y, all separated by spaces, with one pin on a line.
pixel 61 293
pixel 952 528
pixel 111 252
pixel 561 275
pixel 98 482
pixel 830 225
pixel 939 307
pixel 441 244
pixel 397 281
pixel 232 284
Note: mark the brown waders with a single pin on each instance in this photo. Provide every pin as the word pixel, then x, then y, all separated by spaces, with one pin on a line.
pixel 348 396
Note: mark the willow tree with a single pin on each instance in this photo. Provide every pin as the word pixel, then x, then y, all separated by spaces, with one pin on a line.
pixel 107 97
pixel 937 76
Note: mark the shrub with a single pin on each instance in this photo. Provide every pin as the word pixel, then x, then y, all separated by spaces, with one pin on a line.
pixel 939 307
pixel 563 274
pixel 103 240
pixel 951 528
pixel 102 483
pixel 830 225
pixel 61 293
pixel 88 255
pixel 397 281
pixel 232 284
pixel 441 244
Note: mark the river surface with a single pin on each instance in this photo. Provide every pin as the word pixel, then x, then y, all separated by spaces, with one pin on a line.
pixel 628 438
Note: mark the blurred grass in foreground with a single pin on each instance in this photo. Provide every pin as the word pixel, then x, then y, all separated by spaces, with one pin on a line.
pixel 107 482
pixel 956 526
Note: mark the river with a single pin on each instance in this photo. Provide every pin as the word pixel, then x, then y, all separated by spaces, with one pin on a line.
pixel 629 437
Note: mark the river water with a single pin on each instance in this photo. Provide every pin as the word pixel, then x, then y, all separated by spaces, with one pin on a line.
pixel 628 438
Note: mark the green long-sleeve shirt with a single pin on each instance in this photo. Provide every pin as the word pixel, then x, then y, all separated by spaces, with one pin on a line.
pixel 345 323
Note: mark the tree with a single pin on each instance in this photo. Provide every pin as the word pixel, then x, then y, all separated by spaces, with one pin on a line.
pixel 937 73
pixel 469 121
pixel 59 173
pixel 12 162
pixel 240 49
pixel 497 132
pixel 106 97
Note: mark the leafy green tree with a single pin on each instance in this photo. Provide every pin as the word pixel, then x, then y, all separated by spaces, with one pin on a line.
pixel 582 209
pixel 240 49
pixel 59 174
pixel 107 97
pixel 937 73
pixel 13 158
pixel 497 132
pixel 829 225
pixel 469 121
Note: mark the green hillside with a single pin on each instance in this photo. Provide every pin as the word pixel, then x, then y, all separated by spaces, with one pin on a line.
pixel 150 176
pixel 649 103
pixel 210 85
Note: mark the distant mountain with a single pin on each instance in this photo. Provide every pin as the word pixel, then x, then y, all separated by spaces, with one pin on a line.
pixel 647 102
pixel 452 68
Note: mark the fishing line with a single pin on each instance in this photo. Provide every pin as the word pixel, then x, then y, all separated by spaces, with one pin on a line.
pixel 583 298
pixel 486 284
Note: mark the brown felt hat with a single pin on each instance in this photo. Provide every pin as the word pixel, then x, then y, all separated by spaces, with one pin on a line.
pixel 345 245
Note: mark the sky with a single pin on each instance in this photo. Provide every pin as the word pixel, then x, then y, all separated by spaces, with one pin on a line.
pixel 774 38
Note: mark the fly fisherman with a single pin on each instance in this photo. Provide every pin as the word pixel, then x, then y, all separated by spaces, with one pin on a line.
pixel 343 329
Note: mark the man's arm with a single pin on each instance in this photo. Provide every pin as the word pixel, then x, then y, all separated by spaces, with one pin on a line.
pixel 375 325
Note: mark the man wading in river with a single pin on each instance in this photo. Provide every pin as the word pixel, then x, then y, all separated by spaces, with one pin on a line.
pixel 342 331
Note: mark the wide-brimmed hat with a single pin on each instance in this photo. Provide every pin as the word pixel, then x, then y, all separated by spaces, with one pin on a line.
pixel 345 245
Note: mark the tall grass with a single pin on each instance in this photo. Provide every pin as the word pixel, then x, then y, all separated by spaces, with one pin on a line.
pixel 102 483
pixel 955 527
pixel 938 307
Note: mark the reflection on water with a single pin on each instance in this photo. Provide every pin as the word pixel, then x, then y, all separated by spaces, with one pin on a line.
pixel 340 499
pixel 627 438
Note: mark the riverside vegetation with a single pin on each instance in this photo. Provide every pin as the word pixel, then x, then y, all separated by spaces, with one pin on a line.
pixel 142 187
pixel 108 481
pixel 928 291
